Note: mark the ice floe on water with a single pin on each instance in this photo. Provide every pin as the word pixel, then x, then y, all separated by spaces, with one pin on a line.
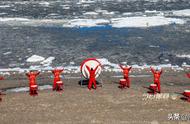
pixel 65 6
pixel 13 19
pixel 185 12
pixel 41 60
pixel 127 14
pixel 86 23
pixel 108 66
pixel 90 13
pixel 35 58
pixel 144 21
pixel 138 21
pixel 3 13
pixel 4 73
pixel 48 61
pixel 104 12
pixel 122 22
pixel 106 62
pixel 5 6
pixel 183 56
pixel 153 46
pixel 185 65
pixel 86 1
pixel 7 53
pixel 44 3
pixel 72 63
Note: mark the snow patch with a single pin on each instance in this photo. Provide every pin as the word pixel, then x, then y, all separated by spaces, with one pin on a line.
pixel 112 67
pixel 140 67
pixel 26 89
pixel 120 76
pixel 21 89
pixel 72 69
pixel 7 70
pixel 45 87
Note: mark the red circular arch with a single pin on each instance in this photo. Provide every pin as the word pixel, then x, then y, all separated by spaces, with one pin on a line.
pixel 86 61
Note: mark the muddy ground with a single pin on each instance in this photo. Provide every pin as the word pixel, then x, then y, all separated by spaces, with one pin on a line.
pixel 106 105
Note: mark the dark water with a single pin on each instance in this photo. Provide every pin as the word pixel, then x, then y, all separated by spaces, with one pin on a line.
pixel 75 44
pixel 59 9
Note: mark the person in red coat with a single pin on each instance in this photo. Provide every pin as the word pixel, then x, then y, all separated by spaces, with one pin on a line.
pixel 32 81
pixel 92 78
pixel 188 75
pixel 1 95
pixel 126 71
pixel 56 73
pixel 1 78
pixel 157 75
